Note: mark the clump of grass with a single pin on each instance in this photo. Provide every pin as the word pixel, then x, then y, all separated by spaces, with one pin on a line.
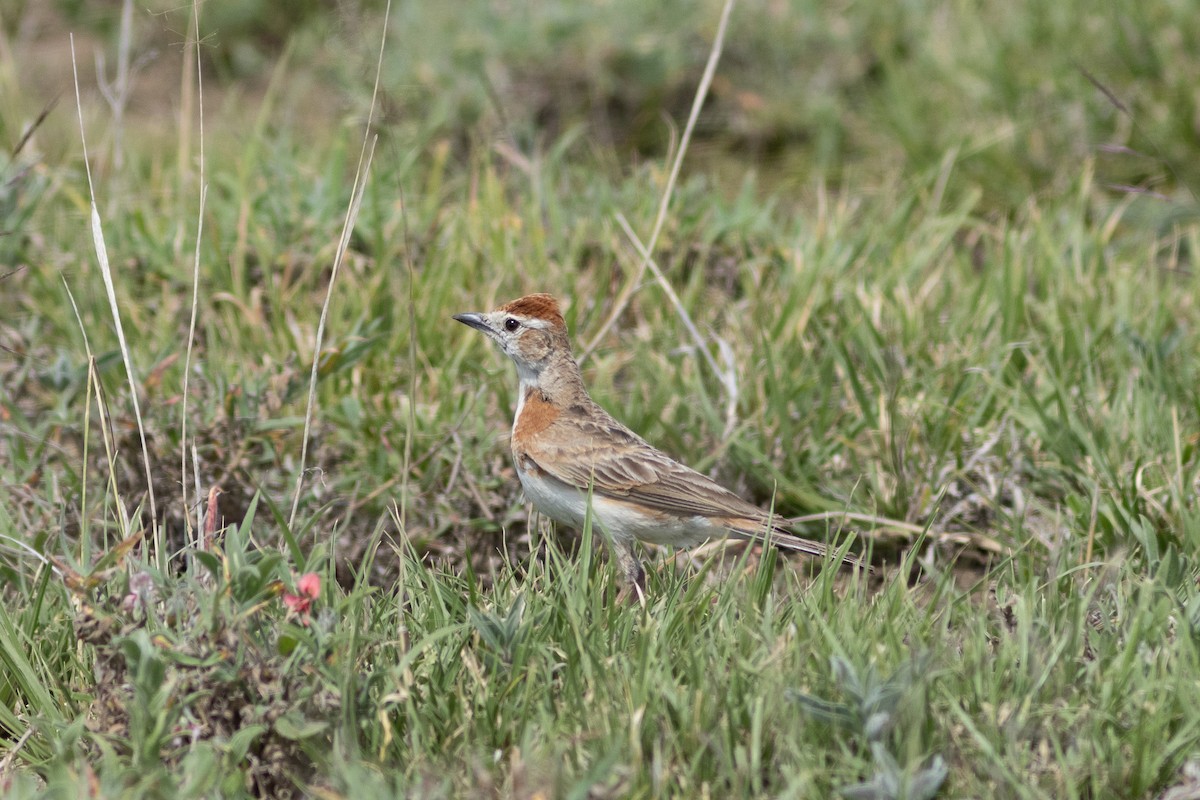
pixel 871 710
pixel 201 683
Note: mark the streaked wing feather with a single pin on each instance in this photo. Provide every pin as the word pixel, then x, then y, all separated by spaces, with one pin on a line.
pixel 612 460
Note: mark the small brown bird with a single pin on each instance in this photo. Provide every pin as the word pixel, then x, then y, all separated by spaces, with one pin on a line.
pixel 566 447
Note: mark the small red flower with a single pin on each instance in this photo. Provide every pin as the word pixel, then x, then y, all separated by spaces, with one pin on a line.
pixel 309 588
pixel 310 584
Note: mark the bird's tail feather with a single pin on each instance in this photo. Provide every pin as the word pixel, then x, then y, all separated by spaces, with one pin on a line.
pixel 780 537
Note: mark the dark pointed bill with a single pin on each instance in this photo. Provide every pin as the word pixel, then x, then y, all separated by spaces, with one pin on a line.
pixel 474 320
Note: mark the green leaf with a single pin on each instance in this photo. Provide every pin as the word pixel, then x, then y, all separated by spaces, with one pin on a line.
pixel 295 727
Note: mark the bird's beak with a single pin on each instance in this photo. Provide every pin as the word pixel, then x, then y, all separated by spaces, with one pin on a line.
pixel 475 321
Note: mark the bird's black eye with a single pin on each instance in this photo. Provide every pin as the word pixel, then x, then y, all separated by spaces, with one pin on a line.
pixel 511 324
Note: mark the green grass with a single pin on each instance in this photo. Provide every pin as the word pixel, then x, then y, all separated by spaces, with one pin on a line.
pixel 897 227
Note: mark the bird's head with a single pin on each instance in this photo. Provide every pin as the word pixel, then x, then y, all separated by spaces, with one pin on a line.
pixel 530 330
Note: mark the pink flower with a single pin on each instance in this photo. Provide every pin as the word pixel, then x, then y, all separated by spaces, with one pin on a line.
pixel 309 588
pixel 310 584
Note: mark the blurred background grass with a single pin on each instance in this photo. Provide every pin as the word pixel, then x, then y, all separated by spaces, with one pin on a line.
pixel 852 92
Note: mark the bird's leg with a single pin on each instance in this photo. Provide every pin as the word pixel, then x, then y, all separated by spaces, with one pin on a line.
pixel 631 569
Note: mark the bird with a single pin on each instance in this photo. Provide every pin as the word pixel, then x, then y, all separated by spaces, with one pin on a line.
pixel 569 452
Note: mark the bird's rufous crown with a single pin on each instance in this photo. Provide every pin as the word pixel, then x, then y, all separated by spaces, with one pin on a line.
pixel 537 306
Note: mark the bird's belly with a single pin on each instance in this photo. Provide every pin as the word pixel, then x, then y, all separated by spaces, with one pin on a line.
pixel 651 526
pixel 555 499
pixel 621 520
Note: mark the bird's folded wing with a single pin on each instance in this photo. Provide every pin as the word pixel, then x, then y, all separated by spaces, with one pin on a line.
pixel 620 464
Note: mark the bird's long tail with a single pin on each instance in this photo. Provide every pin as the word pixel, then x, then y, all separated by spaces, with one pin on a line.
pixel 781 537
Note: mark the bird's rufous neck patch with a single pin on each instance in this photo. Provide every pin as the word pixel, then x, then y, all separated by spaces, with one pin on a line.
pixel 537 414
